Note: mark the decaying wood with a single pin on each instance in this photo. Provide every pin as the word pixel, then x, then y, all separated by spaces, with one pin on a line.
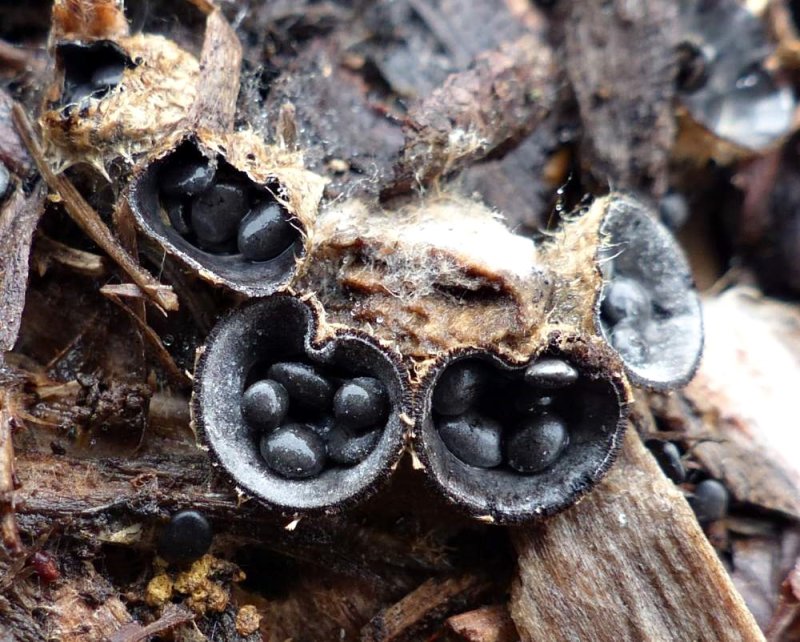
pixel 428 604
pixel 18 220
pixel 486 624
pixel 90 222
pixel 502 97
pixel 620 64
pixel 628 562
pixel 220 62
pixel 127 491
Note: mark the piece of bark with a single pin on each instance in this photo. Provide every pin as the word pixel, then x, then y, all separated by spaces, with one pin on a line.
pixel 220 62
pixel 431 602
pixel 620 61
pixel 18 219
pixel 628 562
pixel 13 153
pixel 486 624
pixel 744 391
pixel 491 106
pixel 9 534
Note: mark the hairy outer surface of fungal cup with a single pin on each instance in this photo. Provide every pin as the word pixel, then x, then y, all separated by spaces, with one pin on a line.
pixel 282 328
pixel 427 277
pixel 596 421
pixel 155 94
pixel 279 172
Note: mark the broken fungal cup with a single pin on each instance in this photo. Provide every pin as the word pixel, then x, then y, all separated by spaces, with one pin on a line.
pixel 723 81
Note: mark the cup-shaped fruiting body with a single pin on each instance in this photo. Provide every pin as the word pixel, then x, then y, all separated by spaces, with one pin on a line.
pixel 304 418
pixel 621 274
pixel 232 209
pixel 648 308
pixel 510 442
pixel 723 81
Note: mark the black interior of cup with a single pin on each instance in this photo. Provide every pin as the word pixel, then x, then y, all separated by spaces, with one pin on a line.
pixel 594 411
pixel 638 247
pixel 281 328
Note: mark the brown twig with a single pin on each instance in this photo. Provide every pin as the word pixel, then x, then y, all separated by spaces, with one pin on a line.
pixel 176 375
pixel 90 222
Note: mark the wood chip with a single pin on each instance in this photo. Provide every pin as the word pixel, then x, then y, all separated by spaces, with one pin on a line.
pixel 486 624
pixel 428 604
pixel 220 64
pixel 628 562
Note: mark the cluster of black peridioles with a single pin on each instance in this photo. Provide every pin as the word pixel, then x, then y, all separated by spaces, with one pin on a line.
pixel 308 418
pixel 488 418
pixel 220 211
pixel 627 313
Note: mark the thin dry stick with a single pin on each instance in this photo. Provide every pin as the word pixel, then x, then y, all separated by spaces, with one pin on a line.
pixel 90 222
pixel 176 375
